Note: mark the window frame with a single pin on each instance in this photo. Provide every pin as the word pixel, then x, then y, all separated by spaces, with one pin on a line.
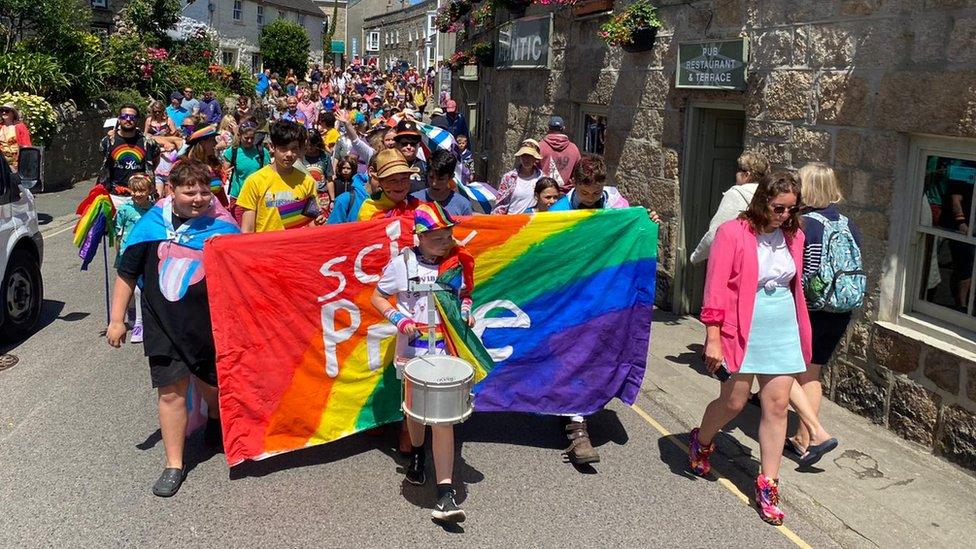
pixel 224 54
pixel 237 10
pixel 301 19
pixel 584 109
pixel 260 14
pixel 103 4
pixel 372 41
pixel 909 310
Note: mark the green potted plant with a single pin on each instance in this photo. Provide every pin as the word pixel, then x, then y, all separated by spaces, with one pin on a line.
pixel 633 29
pixel 485 53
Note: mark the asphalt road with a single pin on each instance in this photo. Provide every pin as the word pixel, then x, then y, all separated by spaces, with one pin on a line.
pixel 79 450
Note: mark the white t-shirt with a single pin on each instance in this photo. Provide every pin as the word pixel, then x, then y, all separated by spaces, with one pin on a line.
pixel 413 304
pixel 523 197
pixel 776 266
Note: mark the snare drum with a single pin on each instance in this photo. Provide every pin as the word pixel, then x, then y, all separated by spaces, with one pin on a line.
pixel 437 389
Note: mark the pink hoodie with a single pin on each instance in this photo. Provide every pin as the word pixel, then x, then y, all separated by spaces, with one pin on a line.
pixel 562 154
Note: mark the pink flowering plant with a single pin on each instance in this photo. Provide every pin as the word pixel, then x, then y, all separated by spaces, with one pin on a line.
pixel 619 30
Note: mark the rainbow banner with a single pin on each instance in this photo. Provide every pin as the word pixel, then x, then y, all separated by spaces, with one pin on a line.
pixel 562 301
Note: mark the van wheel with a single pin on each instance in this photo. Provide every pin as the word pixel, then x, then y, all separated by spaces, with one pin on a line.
pixel 21 296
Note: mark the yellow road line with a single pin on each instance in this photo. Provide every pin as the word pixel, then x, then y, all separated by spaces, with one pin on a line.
pixel 789 534
pixel 70 226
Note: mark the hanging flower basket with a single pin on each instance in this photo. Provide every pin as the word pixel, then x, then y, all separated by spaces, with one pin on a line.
pixel 484 52
pixel 634 28
pixel 641 40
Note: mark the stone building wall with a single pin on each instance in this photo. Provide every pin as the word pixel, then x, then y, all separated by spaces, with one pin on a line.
pixel 847 82
pixel 402 33
pixel 73 153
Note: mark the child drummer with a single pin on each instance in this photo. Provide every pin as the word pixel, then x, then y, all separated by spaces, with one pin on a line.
pixel 436 253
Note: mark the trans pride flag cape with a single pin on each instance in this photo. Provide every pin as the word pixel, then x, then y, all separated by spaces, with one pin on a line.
pixel 562 303
pixel 481 195
pixel 97 221
pixel 181 251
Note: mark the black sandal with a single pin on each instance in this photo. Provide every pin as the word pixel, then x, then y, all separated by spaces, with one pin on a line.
pixel 791 446
pixel 169 482
pixel 817 451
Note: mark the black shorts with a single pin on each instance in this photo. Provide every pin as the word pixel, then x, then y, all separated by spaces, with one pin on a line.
pixel 828 329
pixel 165 370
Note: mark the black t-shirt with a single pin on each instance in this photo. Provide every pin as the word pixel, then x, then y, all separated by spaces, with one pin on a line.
pixel 178 329
pixel 125 156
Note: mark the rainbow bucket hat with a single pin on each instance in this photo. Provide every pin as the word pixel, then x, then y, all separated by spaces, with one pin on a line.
pixel 430 216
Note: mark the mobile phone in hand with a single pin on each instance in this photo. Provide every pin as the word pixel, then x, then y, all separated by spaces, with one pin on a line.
pixel 722 374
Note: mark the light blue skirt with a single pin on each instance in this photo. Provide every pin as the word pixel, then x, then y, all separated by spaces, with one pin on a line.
pixel 773 347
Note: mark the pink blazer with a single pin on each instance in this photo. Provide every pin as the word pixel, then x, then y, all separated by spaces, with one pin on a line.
pixel 731 284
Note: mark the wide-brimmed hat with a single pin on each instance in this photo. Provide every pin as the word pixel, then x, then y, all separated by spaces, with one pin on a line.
pixel 12 108
pixel 430 216
pixel 529 148
pixel 407 128
pixel 201 134
pixel 391 162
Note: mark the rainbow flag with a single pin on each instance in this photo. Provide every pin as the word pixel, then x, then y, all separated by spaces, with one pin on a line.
pixel 291 215
pixel 562 303
pixel 97 221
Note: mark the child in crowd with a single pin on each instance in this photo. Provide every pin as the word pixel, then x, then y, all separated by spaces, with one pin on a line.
pixel 277 196
pixel 436 254
pixel 467 157
pixel 319 167
pixel 590 190
pixel 165 250
pixel 546 194
pixel 346 170
pixel 128 214
pixel 440 184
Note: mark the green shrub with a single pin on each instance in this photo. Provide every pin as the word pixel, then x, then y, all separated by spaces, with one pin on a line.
pixel 198 50
pixel 34 73
pixel 36 113
pixel 285 45
pixel 117 98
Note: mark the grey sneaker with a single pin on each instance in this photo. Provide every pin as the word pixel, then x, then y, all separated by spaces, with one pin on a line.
pixel 447 509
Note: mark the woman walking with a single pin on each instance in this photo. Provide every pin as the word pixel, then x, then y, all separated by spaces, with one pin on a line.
pixel 821 194
pixel 756 324
pixel 516 191
pixel 13 134
pixel 751 168
pixel 158 123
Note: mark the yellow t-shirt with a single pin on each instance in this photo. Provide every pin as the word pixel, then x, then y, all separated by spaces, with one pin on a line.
pixel 277 201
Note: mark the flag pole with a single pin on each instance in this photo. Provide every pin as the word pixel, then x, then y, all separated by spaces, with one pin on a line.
pixel 108 311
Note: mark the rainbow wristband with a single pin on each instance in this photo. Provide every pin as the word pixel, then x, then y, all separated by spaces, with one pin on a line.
pixel 399 320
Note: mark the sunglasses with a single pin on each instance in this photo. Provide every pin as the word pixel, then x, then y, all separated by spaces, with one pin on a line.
pixel 408 143
pixel 780 209
pixel 127 117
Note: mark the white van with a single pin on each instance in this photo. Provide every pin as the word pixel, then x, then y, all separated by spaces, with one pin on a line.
pixel 21 247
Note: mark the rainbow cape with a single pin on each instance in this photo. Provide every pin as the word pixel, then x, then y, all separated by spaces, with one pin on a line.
pixel 97 221
pixel 562 303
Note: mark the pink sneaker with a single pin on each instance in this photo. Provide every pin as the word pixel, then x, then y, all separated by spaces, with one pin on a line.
pixel 136 333
pixel 767 500
pixel 698 455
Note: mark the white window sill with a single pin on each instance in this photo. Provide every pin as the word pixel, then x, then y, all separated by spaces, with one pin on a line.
pixel 928 331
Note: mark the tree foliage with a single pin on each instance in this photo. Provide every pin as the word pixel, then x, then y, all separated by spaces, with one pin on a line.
pixel 151 17
pixel 284 46
pixel 50 19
